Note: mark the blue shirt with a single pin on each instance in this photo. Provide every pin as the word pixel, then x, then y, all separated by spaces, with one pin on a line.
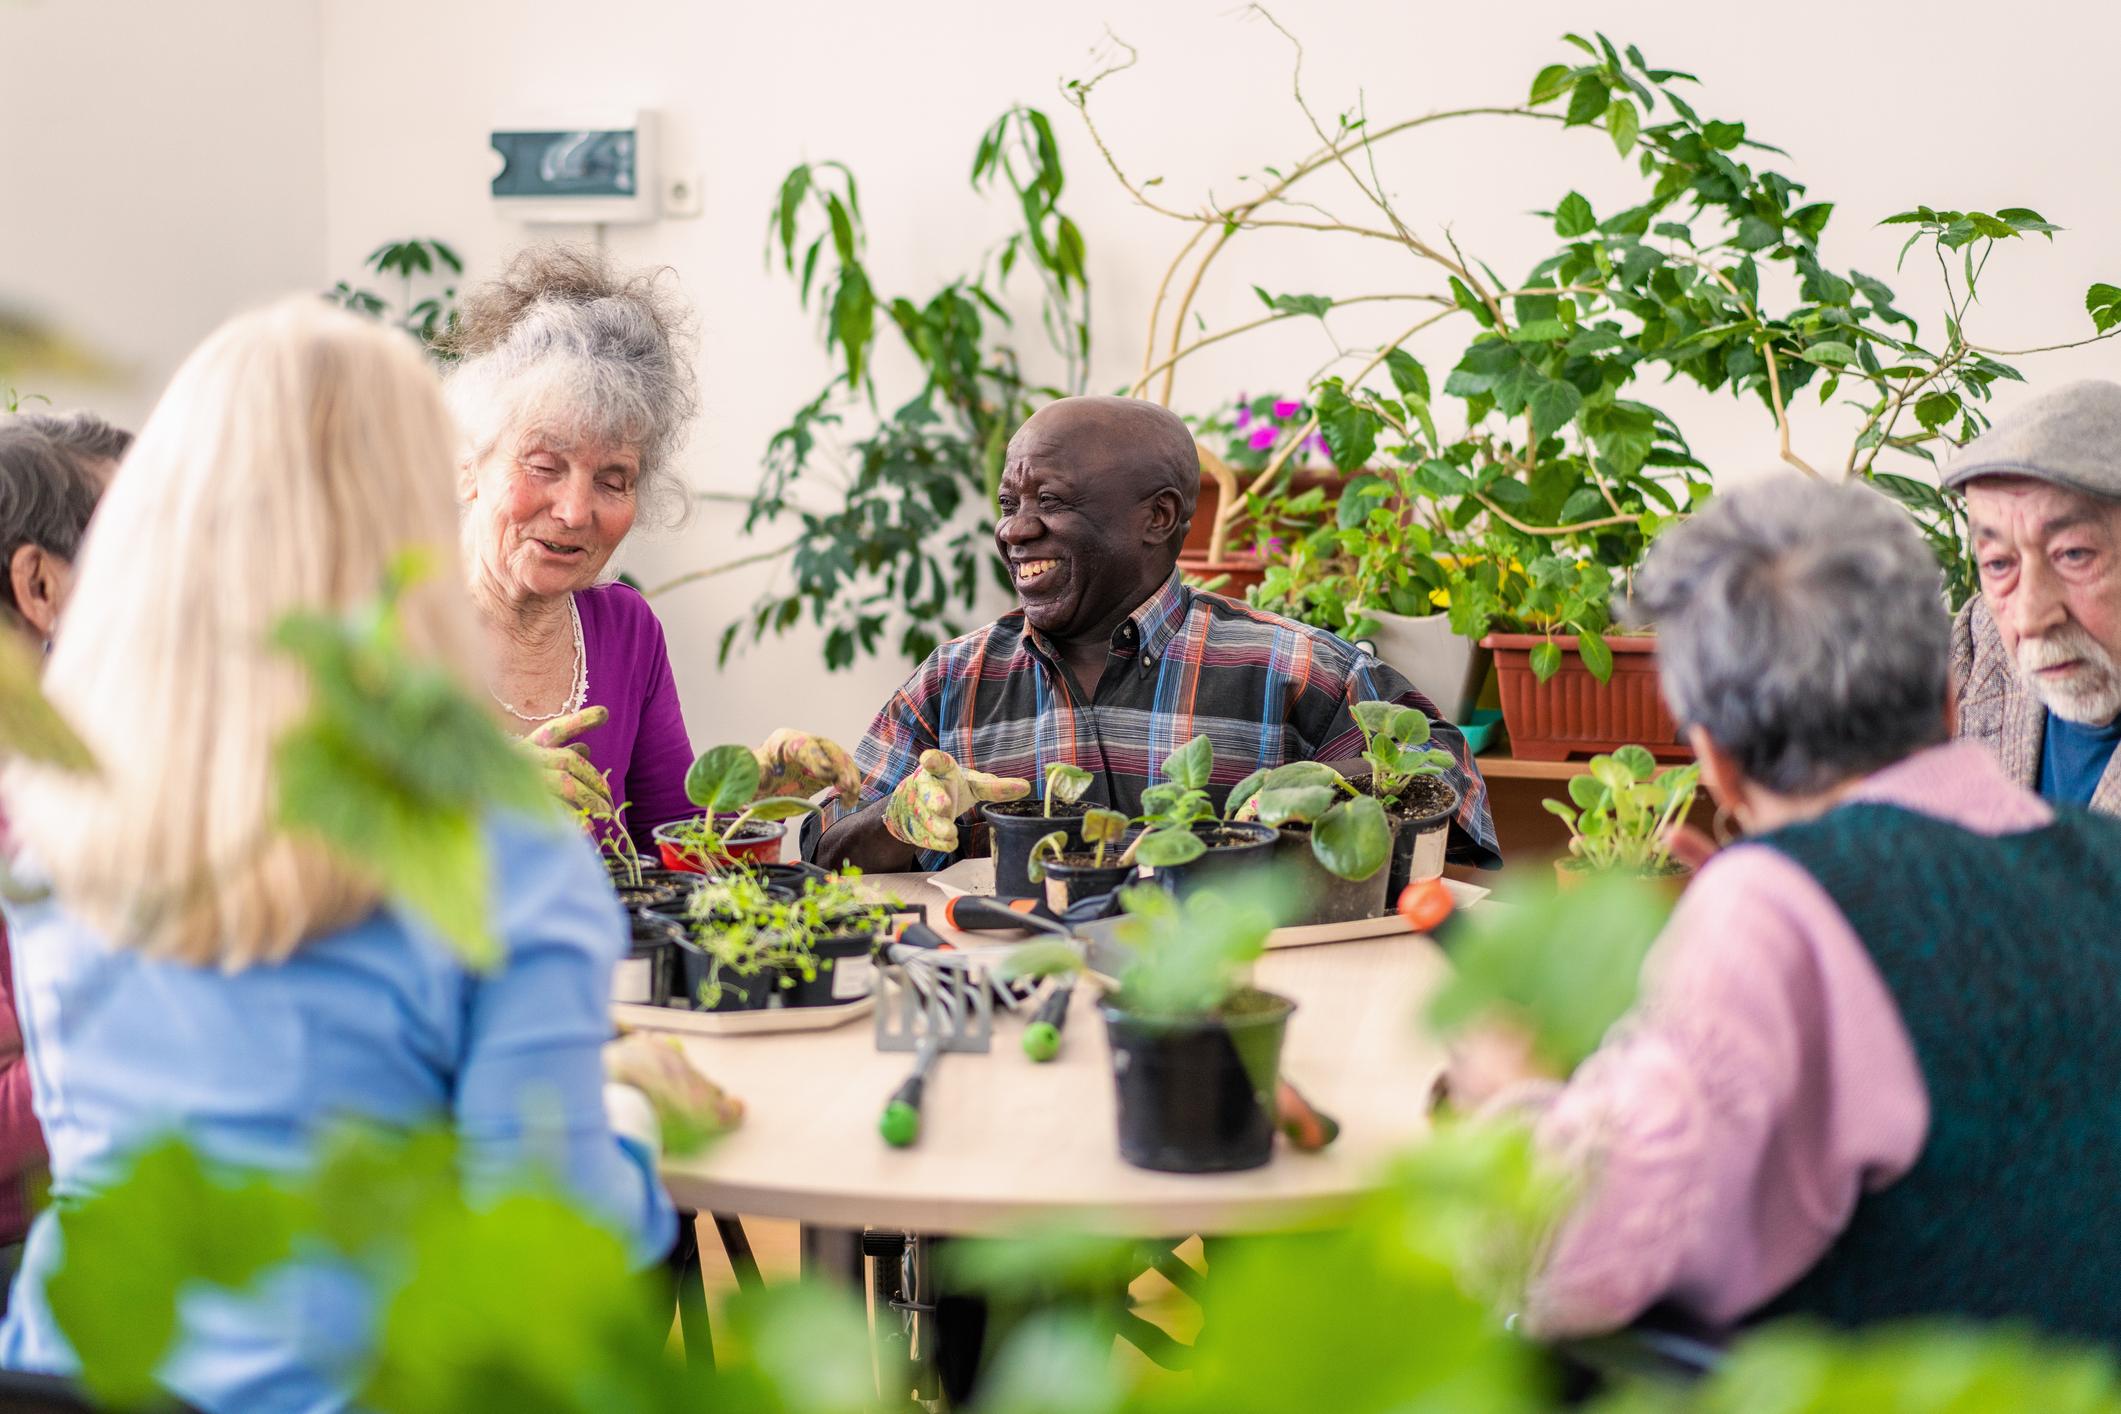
pixel 377 1021
pixel 2073 757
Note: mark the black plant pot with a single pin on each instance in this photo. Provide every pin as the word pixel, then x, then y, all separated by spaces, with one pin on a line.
pixel 843 974
pixel 1068 881
pixel 644 976
pixel 649 893
pixel 1328 898
pixel 1418 846
pixel 1234 846
pixel 1196 1095
pixel 1017 825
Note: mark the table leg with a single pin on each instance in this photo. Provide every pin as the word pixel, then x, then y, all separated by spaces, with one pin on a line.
pixel 832 1254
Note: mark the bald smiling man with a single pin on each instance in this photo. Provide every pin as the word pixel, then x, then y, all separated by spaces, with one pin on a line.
pixel 1110 662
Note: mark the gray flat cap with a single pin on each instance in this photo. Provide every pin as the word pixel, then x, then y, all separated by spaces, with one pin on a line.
pixel 2071 436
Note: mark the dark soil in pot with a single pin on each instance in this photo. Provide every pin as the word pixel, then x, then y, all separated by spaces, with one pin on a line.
pixel 1328 898
pixel 1196 1094
pixel 1017 825
pixel 643 977
pixel 1073 877
pixel 842 974
pixel 1233 846
pixel 649 893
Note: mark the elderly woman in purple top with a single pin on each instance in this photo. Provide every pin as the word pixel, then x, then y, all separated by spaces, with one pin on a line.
pixel 574 387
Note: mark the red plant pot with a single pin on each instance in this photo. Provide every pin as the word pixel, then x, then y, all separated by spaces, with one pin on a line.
pixel 759 843
pixel 1238 572
pixel 1573 713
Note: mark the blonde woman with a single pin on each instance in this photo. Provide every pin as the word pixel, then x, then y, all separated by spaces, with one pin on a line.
pixel 197 972
pixel 574 387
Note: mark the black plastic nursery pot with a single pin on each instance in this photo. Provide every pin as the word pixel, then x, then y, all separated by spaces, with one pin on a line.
pixel 1196 1094
pixel 1074 877
pixel 1424 833
pixel 1328 898
pixel 1017 825
pixel 843 974
pixel 643 977
pixel 658 889
pixel 1233 847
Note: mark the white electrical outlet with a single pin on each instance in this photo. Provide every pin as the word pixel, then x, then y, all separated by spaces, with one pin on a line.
pixel 682 195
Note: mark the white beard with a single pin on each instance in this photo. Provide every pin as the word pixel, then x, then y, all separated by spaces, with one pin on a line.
pixel 2091 696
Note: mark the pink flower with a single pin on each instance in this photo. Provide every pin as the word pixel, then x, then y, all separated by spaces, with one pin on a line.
pixel 1286 408
pixel 1263 437
pixel 1318 445
pixel 1244 417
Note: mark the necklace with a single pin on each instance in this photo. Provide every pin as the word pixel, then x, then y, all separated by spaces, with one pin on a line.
pixel 576 698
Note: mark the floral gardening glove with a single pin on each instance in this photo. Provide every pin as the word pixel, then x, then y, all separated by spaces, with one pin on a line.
pixel 923 811
pixel 799 764
pixel 686 1102
pixel 566 767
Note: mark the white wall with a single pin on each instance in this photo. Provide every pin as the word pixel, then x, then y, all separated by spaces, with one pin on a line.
pixel 161 166
pixel 1879 106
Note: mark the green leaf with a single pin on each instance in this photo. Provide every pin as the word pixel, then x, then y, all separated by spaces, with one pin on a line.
pixel 1354 840
pixel 1587 791
pixel 30 727
pixel 1574 216
pixel 1830 353
pixel 1065 784
pixel 1935 409
pixel 1412 379
pixel 778 807
pixel 2103 303
pixel 723 779
pixel 1588 103
pixel 1243 791
pixel 1553 403
pixel 1550 83
pixel 1350 429
pixel 1636 760
pixel 1305 803
pixel 1315 305
pixel 1546 660
pixel 1162 849
pixel 1104 826
pixel 1191 766
pixel 1591 647
pixel 1471 303
pixel 1623 123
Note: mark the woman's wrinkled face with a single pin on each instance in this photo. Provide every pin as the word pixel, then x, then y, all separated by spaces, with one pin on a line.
pixel 548 511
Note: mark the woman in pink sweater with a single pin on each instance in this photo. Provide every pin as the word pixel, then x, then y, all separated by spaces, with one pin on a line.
pixel 1871 1071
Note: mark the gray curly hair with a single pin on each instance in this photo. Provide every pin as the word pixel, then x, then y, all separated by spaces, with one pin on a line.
pixel 1803 627
pixel 559 340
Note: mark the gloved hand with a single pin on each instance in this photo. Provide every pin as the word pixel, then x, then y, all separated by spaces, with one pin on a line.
pixel 924 809
pixel 686 1101
pixel 567 771
pixel 799 764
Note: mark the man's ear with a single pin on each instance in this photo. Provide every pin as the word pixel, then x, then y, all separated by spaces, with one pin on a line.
pixel 1167 513
pixel 39 580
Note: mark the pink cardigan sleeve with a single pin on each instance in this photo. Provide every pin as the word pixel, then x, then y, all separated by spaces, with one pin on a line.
pixel 21 1141
pixel 1725 1130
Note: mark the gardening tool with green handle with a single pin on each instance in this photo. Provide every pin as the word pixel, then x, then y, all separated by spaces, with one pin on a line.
pixel 1042 1037
pixel 929 1000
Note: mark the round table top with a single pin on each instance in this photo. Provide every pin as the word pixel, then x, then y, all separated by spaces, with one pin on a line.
pixel 1005 1141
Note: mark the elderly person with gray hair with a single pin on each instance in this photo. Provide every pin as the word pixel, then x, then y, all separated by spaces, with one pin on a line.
pixel 1871 1071
pixel 53 469
pixel 2036 658
pixel 573 388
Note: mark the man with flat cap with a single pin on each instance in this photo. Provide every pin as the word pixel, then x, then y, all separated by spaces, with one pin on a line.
pixel 1110 661
pixel 2036 658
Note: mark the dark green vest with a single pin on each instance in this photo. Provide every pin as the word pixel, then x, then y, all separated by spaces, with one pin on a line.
pixel 2003 954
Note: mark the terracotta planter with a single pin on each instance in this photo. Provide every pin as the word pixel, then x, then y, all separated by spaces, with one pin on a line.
pixel 1201 533
pixel 1445 667
pixel 1569 873
pixel 1573 713
pixel 759 843
pixel 1238 571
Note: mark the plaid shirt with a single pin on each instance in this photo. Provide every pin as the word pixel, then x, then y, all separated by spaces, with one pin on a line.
pixel 1266 690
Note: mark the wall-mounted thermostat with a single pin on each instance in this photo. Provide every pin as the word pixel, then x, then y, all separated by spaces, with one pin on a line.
pixel 578 171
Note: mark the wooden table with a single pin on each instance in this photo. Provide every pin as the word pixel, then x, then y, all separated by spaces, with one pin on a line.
pixel 1005 1141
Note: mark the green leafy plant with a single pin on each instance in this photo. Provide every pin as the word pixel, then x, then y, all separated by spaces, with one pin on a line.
pixel 394 767
pixel 606 828
pixel 1625 810
pixel 1350 835
pixel 1395 741
pixel 1101 828
pixel 1173 806
pixel 900 531
pixel 1187 957
pixel 724 782
pixel 424 266
pixel 752 934
pixel 1065 785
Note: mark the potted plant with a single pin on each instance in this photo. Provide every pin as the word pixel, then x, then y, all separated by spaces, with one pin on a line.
pixel 1407 775
pixel 1196 1050
pixel 1624 811
pixel 751 944
pixel 1084 872
pixel 1183 841
pixel 1335 841
pixel 1246 436
pixel 737 825
pixel 1015 826
pixel 644 976
pixel 638 883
